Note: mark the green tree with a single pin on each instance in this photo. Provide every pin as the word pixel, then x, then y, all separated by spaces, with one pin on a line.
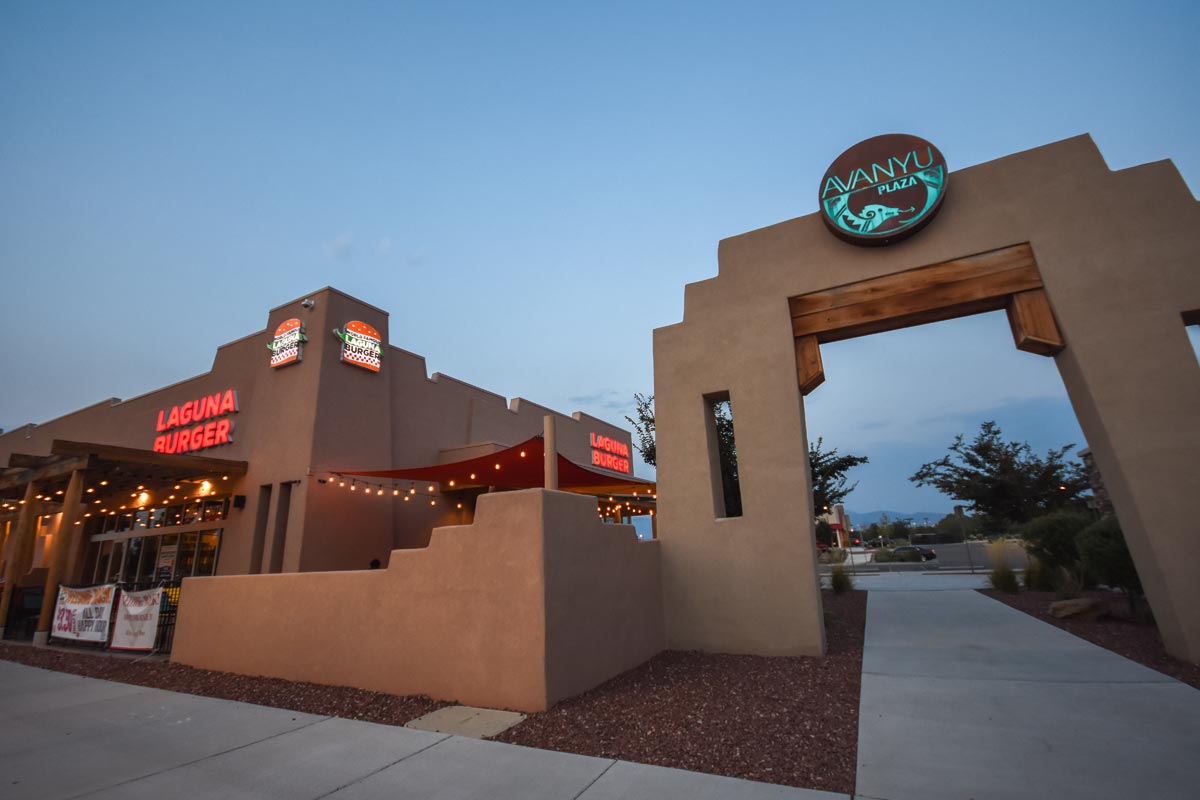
pixel 824 533
pixel 828 468
pixel 829 475
pixel 1106 558
pixel 1051 538
pixel 1006 482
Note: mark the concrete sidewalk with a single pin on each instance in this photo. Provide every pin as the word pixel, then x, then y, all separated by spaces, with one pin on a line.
pixel 64 736
pixel 965 697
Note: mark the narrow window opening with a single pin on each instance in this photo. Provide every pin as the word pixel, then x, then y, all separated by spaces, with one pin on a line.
pixel 722 455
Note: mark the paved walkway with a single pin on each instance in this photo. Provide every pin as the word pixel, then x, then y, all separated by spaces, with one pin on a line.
pixel 964 697
pixel 64 736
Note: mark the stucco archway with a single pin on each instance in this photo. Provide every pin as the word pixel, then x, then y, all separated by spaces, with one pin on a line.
pixel 1116 259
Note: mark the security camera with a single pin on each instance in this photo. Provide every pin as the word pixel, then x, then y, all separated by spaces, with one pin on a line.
pixel 308 303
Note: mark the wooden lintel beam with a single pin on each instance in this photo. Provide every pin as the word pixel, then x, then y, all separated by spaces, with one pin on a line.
pixel 950 289
pixel 25 461
pixel 809 369
pixel 1033 327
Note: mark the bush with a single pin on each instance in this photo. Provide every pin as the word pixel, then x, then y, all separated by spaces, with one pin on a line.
pixel 1039 577
pixel 840 580
pixel 1051 538
pixel 1070 584
pixel 1004 579
pixel 1106 558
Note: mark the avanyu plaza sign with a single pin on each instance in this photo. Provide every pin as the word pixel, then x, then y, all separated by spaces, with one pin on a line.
pixel 883 189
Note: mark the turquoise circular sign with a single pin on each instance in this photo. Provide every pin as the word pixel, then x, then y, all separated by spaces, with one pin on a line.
pixel 883 189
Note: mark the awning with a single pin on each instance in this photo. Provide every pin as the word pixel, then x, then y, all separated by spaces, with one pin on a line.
pixel 517 467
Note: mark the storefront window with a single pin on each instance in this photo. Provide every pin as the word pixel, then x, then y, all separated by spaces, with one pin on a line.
pixel 114 563
pixel 187 555
pixel 167 552
pixel 206 560
pixel 192 512
pixel 133 555
pixel 149 558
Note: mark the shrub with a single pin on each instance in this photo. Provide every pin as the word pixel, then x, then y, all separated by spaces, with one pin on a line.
pixel 1004 579
pixel 840 580
pixel 1069 585
pixel 1106 558
pixel 1038 577
pixel 1051 538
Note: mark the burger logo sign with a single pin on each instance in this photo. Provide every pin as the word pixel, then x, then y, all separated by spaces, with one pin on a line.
pixel 362 345
pixel 287 346
pixel 883 189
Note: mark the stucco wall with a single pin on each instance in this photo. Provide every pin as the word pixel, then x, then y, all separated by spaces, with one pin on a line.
pixel 1119 257
pixel 535 601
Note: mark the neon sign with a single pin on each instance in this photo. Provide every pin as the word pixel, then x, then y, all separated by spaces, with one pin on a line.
pixel 287 347
pixel 609 453
pixel 362 345
pixel 194 424
pixel 883 189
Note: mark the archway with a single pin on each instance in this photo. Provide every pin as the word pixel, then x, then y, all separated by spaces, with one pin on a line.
pixel 1096 268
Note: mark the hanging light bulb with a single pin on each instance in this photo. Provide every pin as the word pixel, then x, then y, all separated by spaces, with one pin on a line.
pixel 472 476
pixel 354 486
pixel 406 498
pixel 431 487
pixel 395 492
pixel 342 482
pixel 381 492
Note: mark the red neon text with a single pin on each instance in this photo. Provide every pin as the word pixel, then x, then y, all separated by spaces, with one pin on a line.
pixel 214 405
pixel 610 453
pixel 210 434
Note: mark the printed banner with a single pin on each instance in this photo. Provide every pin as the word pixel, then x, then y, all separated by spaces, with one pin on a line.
pixel 137 620
pixel 83 614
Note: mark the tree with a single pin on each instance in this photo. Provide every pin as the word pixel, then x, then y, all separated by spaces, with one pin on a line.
pixel 1006 482
pixel 1051 538
pixel 829 475
pixel 828 468
pixel 643 426
pixel 824 533
pixel 1106 558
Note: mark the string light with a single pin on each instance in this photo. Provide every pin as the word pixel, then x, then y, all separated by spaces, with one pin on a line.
pixel 431 487
pixel 472 476
pixel 395 492
pixel 381 492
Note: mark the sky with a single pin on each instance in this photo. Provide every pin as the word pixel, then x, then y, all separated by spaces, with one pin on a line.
pixel 527 187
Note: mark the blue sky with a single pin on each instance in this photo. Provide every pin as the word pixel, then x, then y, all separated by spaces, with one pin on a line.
pixel 526 187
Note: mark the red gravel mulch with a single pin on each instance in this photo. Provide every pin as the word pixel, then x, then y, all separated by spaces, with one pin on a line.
pixel 1137 640
pixel 310 698
pixel 787 720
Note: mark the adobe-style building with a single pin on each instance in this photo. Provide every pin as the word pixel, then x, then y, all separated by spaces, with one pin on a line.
pixel 233 472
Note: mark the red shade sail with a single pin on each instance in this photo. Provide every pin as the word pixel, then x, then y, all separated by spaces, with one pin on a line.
pixel 518 467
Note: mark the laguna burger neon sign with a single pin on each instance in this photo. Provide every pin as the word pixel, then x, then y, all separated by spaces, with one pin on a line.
pixel 197 424
pixel 609 453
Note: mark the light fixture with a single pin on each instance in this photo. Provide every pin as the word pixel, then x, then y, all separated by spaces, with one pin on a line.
pixel 460 505
pixel 177 487
pixel 395 492
pixel 406 498
pixel 472 476
pixel 497 466
pixel 431 487
pixel 433 502
pixel 354 486
pixel 522 454
pixel 451 483
pixel 381 493
pixel 104 483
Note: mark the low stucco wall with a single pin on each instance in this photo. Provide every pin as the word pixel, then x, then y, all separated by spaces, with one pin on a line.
pixel 535 601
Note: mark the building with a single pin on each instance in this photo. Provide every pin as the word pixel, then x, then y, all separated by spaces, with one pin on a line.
pixel 236 471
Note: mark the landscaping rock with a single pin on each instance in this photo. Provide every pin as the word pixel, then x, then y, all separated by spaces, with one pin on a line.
pixel 1079 608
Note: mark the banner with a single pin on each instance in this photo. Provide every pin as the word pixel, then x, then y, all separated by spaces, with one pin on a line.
pixel 83 614
pixel 137 620
pixel 166 561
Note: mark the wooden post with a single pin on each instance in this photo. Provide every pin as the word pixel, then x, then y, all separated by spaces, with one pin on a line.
pixel 21 549
pixel 70 529
pixel 550 443
pixel 809 369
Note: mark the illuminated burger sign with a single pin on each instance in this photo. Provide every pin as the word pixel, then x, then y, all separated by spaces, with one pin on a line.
pixel 883 189
pixel 287 346
pixel 362 345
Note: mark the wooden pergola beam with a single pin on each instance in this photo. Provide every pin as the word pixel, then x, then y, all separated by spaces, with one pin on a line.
pixel 54 469
pixel 132 455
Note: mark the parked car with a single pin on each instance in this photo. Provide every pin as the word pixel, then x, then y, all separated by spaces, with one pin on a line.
pixel 923 553
pixel 879 543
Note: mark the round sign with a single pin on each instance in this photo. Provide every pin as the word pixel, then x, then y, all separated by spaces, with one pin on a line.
pixel 883 189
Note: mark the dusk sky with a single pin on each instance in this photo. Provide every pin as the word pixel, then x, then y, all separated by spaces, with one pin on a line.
pixel 527 187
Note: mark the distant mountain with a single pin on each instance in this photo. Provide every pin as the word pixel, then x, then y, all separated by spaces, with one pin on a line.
pixel 861 519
